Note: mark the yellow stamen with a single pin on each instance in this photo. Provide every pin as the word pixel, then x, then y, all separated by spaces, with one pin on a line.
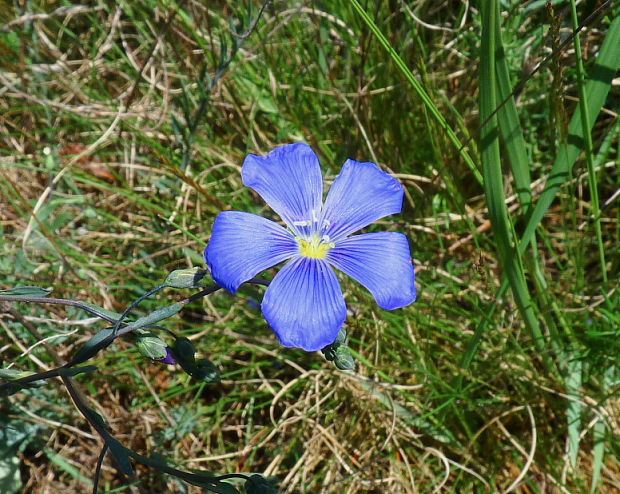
pixel 314 247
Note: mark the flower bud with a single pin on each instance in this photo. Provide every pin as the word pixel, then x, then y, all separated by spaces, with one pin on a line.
pixel 186 278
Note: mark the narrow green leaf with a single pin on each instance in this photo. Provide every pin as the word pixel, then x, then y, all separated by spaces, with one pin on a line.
pixel 215 486
pixel 93 416
pixel 601 75
pixel 114 316
pixel 91 347
pixel 26 291
pixel 204 370
pixel 509 124
pixel 156 316
pixel 11 374
pixel 74 371
pixel 587 143
pixel 222 488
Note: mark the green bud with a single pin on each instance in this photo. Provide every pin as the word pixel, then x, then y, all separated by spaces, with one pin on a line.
pixel 151 346
pixel 330 350
pixel 186 278
pixel 344 358
pixel 341 338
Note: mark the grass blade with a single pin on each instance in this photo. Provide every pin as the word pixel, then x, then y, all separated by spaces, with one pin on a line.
pixel 574 408
pixel 493 178
pixel 417 87
pixel 597 88
pixel 599 433
pixel 585 127
pixel 510 126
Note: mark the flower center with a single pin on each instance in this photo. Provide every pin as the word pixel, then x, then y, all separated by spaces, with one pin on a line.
pixel 314 247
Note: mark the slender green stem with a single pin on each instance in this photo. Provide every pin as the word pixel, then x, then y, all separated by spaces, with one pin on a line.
pixel 585 123
pixel 133 305
pixel 58 301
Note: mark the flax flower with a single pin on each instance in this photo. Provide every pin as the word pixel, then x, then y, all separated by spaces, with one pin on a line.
pixel 304 303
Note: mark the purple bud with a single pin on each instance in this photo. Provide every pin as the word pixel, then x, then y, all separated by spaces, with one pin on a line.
pixel 168 359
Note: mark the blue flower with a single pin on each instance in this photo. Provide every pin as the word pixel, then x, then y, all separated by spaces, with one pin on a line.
pixel 304 303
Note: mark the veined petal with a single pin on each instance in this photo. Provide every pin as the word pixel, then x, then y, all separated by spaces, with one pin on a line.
pixel 304 304
pixel 243 244
pixel 382 263
pixel 360 195
pixel 289 180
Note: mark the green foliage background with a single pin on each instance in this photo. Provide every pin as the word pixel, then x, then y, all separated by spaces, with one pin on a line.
pixel 123 126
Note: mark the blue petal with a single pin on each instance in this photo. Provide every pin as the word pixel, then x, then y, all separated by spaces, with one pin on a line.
pixel 359 196
pixel 304 304
pixel 382 263
pixel 289 180
pixel 243 244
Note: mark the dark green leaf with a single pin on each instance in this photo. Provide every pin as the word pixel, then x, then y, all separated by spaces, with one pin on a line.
pixel 8 389
pixel 206 371
pixel 183 352
pixel 257 484
pixel 211 483
pixel 121 458
pixel 221 488
pixel 93 416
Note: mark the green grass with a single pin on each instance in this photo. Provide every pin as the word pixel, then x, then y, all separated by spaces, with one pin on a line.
pixel 503 373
